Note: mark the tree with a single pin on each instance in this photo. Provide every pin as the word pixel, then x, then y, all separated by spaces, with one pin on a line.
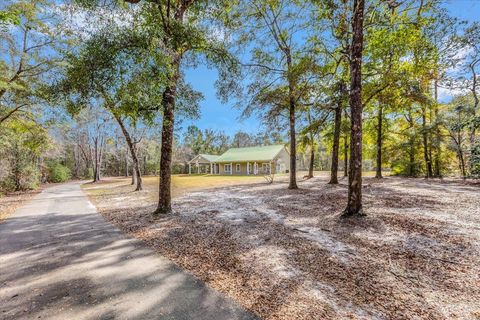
pixel 106 68
pixel 337 12
pixel 354 204
pixel 28 56
pixel 242 139
pixel 315 119
pixel 469 42
pixel 22 143
pixel 177 27
pixel 9 17
pixel 282 62
pixel 339 102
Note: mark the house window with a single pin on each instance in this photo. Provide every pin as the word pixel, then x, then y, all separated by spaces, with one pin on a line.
pixel 238 168
pixel 227 168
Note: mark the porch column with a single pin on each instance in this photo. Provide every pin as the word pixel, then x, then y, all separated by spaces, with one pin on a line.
pixel 255 168
pixel 231 168
pixel 211 168
pixel 248 168
pixel 189 168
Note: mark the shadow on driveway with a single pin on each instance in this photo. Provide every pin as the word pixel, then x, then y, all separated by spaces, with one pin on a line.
pixel 60 260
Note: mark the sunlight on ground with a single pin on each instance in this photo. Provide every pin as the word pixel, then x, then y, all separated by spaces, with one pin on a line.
pixel 121 186
pixel 182 183
pixel 118 192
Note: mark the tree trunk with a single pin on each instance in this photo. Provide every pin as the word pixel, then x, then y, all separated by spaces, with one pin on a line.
pixel 96 175
pixel 345 149
pixel 461 161
pixel 136 174
pixel 428 163
pixel 168 104
pixel 336 145
pixel 293 144
pixel 437 162
pixel 144 164
pixel 378 173
pixel 354 205
pixel 293 150
pixel 345 155
pixel 312 160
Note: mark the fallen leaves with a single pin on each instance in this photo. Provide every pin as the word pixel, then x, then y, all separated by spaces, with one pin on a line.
pixel 286 254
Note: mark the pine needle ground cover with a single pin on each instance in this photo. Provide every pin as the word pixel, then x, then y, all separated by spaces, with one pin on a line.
pixel 285 254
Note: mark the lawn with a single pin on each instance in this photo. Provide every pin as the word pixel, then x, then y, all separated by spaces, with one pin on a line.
pixel 115 190
pixel 286 254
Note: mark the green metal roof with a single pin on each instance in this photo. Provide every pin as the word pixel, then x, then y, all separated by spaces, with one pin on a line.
pixel 265 153
pixel 209 157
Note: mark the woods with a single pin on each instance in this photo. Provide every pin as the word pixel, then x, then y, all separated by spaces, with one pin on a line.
pixel 277 159
pixel 346 84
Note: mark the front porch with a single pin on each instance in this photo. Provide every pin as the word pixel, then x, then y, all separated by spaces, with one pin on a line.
pixel 244 168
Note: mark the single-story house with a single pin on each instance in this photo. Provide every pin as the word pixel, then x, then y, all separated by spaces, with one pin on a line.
pixel 202 163
pixel 245 161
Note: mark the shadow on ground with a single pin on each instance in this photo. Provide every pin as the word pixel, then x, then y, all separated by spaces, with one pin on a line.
pixel 61 260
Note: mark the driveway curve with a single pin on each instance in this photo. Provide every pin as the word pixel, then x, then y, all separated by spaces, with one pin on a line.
pixel 59 259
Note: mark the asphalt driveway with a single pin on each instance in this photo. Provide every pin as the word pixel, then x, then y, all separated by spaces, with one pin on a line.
pixel 59 259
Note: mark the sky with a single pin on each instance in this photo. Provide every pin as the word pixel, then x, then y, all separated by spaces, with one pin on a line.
pixel 224 117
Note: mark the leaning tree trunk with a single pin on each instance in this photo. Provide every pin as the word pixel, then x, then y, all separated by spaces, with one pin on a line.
pixel 461 158
pixel 336 145
pixel 136 174
pixel 354 205
pixel 378 173
pixel 134 177
pixel 461 161
pixel 168 104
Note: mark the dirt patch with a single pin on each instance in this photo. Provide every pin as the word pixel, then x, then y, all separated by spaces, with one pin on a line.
pixel 286 254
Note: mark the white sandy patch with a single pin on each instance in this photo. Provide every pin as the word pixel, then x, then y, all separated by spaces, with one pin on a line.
pixel 229 205
pixel 271 259
pixel 237 207
pixel 324 240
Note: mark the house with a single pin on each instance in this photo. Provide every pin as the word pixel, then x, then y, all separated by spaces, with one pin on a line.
pixel 252 161
pixel 202 163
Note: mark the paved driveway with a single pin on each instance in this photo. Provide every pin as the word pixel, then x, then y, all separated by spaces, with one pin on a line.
pixel 60 260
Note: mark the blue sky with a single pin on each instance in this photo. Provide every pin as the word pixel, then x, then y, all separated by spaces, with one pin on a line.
pixel 223 117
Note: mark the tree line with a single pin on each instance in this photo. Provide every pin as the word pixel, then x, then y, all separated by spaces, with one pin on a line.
pixel 357 79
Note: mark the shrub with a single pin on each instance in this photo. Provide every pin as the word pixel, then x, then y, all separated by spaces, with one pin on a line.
pixel 58 173
pixel 26 178
pixel 179 168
